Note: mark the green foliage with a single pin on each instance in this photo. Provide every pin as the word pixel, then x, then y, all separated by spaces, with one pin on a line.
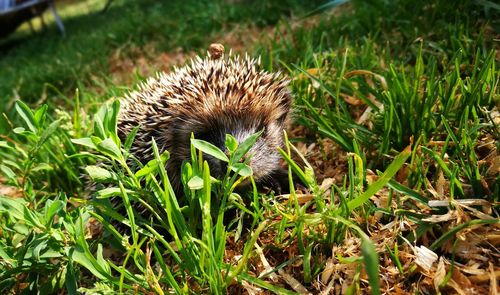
pixel 39 247
pixel 195 224
pixel 56 65
pixel 402 87
pixel 35 154
pixel 199 238
pixel 440 88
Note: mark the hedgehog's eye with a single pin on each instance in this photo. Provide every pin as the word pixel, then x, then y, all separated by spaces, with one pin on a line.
pixel 202 135
pixel 212 137
pixel 281 119
pixel 263 128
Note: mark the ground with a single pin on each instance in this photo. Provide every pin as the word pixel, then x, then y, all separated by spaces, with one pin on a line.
pixel 394 139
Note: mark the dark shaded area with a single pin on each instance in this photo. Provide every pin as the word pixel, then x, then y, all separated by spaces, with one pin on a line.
pixel 30 61
pixel 11 20
pixel 45 67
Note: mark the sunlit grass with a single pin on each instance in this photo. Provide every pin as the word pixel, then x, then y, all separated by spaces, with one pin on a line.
pixel 409 92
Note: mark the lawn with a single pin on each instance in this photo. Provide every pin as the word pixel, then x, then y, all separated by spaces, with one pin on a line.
pixel 394 140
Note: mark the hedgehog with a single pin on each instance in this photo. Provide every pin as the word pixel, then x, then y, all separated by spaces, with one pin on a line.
pixel 209 98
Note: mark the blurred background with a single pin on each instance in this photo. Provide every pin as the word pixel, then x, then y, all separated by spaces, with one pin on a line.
pixel 114 43
pixel 99 39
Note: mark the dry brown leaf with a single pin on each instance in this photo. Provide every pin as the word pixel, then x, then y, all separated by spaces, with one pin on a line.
pixel 431 190
pixel 301 198
pixel 441 183
pixel 491 275
pixel 265 263
pixel 8 190
pixel 292 282
pixel 352 100
pixel 462 281
pixel 494 168
pixel 493 280
pixel 328 289
pixel 381 79
pixel 462 202
pixel 440 274
pixel 328 271
pixel 251 289
pixel 451 215
pixel 456 287
pixel 425 257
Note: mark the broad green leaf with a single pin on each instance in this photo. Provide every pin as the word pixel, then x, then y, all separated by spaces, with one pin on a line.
pixel 19 130
pixel 100 259
pixel 111 192
pixel 99 174
pixel 86 141
pixel 52 208
pixel 209 149
pixel 15 207
pixel 393 168
pixel 113 119
pixel 39 115
pixel 99 126
pixel 231 143
pixel 8 173
pixel 27 115
pixel 246 145
pixel 47 132
pixel 12 164
pixel 152 165
pixel 71 279
pixel 39 244
pixel 3 253
pixel 242 169
pixel 84 257
pixel 195 183
pixel 109 147
pixel 32 218
pixel 42 167
pixel 130 138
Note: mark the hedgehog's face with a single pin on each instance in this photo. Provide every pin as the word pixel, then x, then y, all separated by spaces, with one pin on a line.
pixel 263 156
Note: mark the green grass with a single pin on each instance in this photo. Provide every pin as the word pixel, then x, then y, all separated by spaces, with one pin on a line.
pixel 409 91
pixel 45 67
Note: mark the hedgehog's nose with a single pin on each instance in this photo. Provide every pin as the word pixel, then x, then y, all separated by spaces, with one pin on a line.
pixel 223 167
pixel 218 168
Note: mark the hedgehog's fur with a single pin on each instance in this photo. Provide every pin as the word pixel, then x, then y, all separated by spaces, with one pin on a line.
pixel 210 98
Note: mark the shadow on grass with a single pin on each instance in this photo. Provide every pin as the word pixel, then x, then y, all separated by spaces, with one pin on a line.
pixel 30 60
pixel 44 66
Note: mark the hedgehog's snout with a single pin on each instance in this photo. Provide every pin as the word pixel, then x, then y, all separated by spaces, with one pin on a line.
pixel 262 157
pixel 218 168
pixel 264 160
